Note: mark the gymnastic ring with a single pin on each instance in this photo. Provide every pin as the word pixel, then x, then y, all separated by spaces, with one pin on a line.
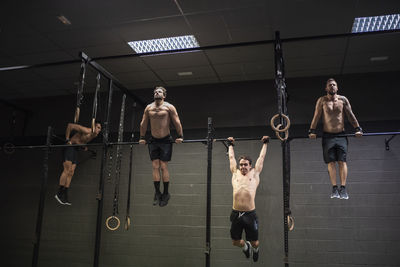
pixel 127 222
pixel 290 222
pixel 276 128
pixel 279 136
pixel 108 223
pixel 9 148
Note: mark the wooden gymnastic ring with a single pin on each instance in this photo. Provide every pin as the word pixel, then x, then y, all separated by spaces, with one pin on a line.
pixel 108 223
pixel 279 136
pixel 127 222
pixel 9 148
pixel 290 222
pixel 276 128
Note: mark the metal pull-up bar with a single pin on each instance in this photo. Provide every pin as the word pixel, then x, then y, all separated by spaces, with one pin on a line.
pixel 9 148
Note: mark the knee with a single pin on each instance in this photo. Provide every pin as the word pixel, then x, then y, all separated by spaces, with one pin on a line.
pixel 254 244
pixel 164 166
pixel 156 164
pixel 71 172
pixel 341 163
pixel 236 243
pixel 332 164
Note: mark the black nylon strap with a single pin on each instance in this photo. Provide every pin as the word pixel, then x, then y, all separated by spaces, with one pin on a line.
pixel 95 99
pixel 79 94
pixel 119 156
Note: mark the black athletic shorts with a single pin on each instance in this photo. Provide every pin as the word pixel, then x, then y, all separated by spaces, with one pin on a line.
pixel 160 148
pixel 246 220
pixel 71 154
pixel 334 147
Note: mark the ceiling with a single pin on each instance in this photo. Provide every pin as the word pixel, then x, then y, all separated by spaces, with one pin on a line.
pixel 30 33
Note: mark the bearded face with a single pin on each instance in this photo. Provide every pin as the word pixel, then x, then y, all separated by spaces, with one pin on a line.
pixel 158 94
pixel 331 88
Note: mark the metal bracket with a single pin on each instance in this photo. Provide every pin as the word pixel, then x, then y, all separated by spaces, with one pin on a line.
pixel 208 249
pixel 387 140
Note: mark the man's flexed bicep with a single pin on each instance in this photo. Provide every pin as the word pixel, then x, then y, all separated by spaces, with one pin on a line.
pixel 76 127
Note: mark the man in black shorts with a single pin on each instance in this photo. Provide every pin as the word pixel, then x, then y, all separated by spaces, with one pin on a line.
pixel 332 107
pixel 245 181
pixel 83 135
pixel 160 114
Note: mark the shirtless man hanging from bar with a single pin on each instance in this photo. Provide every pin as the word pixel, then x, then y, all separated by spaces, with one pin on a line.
pixel 160 114
pixel 245 181
pixel 332 108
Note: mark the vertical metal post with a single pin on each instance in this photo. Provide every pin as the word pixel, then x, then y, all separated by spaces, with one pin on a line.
pixel 43 190
pixel 282 109
pixel 101 181
pixel 209 163
pixel 128 201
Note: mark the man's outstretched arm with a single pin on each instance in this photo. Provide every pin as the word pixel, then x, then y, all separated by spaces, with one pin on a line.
pixel 349 112
pixel 231 154
pixel 317 116
pixel 260 161
pixel 143 125
pixel 177 122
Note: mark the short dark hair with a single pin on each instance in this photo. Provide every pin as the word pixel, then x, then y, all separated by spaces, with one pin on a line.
pixel 331 80
pixel 163 89
pixel 245 158
pixel 98 122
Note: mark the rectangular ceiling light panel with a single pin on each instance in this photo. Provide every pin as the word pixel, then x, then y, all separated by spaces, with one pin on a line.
pixel 164 44
pixel 377 23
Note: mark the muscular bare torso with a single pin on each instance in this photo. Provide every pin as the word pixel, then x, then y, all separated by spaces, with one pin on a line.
pixel 81 138
pixel 244 190
pixel 333 113
pixel 160 119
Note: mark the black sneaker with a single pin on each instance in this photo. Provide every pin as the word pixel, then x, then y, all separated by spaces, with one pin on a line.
pixel 255 254
pixel 59 197
pixel 157 199
pixel 65 199
pixel 335 192
pixel 164 200
pixel 247 252
pixel 343 193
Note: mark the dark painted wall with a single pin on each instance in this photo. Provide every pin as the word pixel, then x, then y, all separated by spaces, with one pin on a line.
pixel 373 98
pixel 359 231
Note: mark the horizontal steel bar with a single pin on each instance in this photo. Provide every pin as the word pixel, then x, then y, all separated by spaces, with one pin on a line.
pixel 351 135
pixel 262 42
pixel 193 141
pixel 243 139
pixel 253 43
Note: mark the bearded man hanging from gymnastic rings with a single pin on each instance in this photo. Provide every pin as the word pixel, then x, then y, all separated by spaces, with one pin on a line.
pixel 332 108
pixel 160 114
pixel 82 135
